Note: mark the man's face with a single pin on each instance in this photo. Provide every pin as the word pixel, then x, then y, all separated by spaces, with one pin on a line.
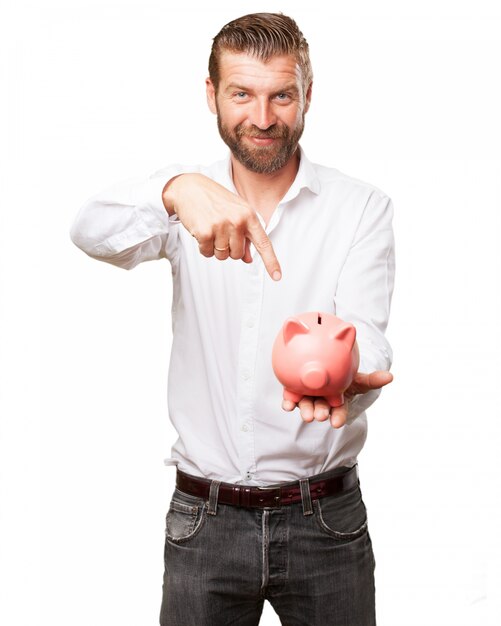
pixel 260 109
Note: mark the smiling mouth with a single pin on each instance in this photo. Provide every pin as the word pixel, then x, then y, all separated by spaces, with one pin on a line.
pixel 261 141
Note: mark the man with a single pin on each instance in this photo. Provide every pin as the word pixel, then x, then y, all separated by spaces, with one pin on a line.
pixel 267 501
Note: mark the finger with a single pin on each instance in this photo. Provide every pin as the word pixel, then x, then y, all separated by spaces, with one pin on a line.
pixel 263 245
pixel 221 252
pixel 221 244
pixel 306 408
pixel 288 405
pixel 237 243
pixel 339 415
pixel 321 410
pixel 205 240
pixel 247 258
pixel 363 383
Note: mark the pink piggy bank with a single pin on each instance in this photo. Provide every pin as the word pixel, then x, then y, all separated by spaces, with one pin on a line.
pixel 315 354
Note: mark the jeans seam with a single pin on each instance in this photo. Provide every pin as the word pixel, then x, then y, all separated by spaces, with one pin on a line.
pixel 265 573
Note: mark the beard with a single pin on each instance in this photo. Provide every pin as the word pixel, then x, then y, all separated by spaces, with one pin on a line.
pixel 262 159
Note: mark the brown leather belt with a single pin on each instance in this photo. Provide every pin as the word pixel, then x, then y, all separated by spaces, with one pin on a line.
pixel 273 496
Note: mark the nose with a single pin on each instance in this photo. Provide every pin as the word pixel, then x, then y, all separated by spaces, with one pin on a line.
pixel 313 375
pixel 263 116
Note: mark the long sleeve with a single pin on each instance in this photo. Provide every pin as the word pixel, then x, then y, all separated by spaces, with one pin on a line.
pixel 127 223
pixel 333 236
pixel 365 289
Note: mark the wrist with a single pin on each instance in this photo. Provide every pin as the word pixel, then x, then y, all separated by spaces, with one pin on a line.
pixel 169 196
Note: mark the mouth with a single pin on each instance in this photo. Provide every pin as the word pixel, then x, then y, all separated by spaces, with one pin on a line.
pixel 261 141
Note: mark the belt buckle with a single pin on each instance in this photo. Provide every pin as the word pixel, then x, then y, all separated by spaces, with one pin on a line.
pixel 276 498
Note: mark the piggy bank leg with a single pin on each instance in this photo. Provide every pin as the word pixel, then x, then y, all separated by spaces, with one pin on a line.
pixel 291 395
pixel 336 400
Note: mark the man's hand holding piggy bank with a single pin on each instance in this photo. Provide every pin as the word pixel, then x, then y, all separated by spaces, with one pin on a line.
pixel 315 357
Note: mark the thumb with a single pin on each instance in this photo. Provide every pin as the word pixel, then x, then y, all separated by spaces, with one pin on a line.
pixel 374 380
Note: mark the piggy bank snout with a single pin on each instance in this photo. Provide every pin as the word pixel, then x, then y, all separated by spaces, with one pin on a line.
pixel 313 375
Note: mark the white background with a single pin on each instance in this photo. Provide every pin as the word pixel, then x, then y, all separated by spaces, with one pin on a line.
pixel 406 96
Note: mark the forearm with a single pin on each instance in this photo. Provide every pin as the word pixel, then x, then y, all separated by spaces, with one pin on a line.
pixel 365 291
pixel 127 223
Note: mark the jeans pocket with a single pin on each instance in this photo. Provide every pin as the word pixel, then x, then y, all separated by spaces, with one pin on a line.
pixel 343 516
pixel 184 518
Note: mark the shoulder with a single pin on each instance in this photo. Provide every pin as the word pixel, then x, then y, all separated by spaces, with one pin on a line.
pixel 363 205
pixel 333 180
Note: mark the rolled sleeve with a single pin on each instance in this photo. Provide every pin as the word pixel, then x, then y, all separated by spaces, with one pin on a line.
pixel 127 223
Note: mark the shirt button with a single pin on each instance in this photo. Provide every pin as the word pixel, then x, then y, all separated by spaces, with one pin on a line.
pixel 245 374
pixel 250 322
pixel 245 428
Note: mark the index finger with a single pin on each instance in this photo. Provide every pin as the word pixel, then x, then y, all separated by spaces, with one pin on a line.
pixel 263 245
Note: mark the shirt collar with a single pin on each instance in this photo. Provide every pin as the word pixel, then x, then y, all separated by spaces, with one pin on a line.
pixel 306 177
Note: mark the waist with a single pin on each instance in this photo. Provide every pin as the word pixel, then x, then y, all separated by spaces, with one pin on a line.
pixel 319 486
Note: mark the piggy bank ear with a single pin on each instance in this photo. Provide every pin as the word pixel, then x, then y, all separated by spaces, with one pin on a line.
pixel 293 327
pixel 346 333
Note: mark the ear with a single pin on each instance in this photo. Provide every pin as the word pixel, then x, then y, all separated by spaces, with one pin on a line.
pixel 346 333
pixel 211 95
pixel 308 97
pixel 293 327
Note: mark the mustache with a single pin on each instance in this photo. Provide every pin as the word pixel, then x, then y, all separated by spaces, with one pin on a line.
pixel 273 132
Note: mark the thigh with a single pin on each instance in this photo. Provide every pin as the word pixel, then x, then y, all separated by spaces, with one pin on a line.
pixel 212 569
pixel 330 573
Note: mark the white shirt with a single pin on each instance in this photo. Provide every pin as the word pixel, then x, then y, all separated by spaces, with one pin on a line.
pixel 333 237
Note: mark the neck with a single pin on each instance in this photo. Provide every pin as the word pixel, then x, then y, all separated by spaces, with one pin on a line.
pixel 264 191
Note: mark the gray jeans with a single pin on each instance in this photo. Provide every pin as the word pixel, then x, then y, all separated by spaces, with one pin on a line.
pixel 312 560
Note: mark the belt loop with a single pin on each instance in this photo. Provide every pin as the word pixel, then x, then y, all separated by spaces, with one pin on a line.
pixel 213 493
pixel 304 483
pixel 246 496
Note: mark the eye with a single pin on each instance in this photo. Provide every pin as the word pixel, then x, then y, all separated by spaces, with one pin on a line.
pixel 282 97
pixel 240 95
